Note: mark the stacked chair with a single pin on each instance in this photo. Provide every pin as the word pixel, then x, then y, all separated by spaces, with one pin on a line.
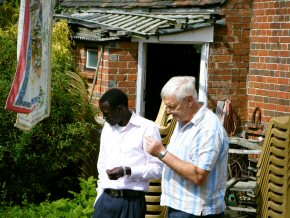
pixel 166 125
pixel 273 184
pixel 154 209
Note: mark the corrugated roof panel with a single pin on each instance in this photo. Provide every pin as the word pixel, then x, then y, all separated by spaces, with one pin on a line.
pixel 153 27
pixel 112 18
pixel 147 24
pixel 102 17
pixel 144 24
pixel 121 20
pixel 130 21
pixel 132 25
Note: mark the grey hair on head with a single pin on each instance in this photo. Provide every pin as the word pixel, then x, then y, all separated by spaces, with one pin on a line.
pixel 180 87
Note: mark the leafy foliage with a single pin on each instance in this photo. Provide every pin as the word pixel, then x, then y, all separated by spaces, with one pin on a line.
pixel 49 159
pixel 9 13
pixel 80 206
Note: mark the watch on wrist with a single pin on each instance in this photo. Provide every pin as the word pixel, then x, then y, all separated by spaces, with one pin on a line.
pixel 127 171
pixel 162 153
pixel 124 169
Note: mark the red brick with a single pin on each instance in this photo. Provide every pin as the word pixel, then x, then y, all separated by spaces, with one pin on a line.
pixel 132 64
pixel 127 45
pixel 234 19
pixel 117 64
pixel 285 81
pixel 284 95
pixel 127 84
pixel 221 58
pixel 132 77
pixel 104 83
pixel 121 77
pixel 109 70
pixel 128 57
pixel 282 108
pixel 118 51
pixel 271 93
pixel 272 66
pixel 132 104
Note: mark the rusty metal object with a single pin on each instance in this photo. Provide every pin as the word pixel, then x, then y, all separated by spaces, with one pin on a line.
pixel 255 128
pixel 256 119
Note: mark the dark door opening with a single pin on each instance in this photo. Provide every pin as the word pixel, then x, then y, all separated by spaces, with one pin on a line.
pixel 163 62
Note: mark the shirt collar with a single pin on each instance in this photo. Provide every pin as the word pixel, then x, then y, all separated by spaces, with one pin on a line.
pixel 199 115
pixel 134 120
pixel 196 118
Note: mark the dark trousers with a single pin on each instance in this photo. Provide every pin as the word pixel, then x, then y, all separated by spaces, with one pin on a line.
pixel 120 207
pixel 172 213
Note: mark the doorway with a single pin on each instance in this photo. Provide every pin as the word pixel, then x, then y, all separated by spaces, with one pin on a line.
pixel 163 62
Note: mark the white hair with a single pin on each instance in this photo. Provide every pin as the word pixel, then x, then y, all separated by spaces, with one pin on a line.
pixel 180 87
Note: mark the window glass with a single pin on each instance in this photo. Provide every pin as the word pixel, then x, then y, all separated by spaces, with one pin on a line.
pixel 92 58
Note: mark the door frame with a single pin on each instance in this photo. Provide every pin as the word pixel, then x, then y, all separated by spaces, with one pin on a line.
pixel 201 36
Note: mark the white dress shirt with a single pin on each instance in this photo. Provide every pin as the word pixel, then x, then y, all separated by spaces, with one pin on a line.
pixel 126 146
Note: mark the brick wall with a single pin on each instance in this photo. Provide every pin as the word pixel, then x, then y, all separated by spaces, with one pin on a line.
pixel 269 74
pixel 229 57
pixel 249 61
pixel 118 68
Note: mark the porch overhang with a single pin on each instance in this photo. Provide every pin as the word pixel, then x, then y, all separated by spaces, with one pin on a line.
pixel 94 25
pixel 204 33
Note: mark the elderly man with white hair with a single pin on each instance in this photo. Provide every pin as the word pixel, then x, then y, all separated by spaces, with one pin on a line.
pixel 195 171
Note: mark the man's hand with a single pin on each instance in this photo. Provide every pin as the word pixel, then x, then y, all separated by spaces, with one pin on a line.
pixel 154 147
pixel 115 173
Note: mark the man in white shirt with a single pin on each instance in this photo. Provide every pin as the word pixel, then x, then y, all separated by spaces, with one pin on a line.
pixel 124 165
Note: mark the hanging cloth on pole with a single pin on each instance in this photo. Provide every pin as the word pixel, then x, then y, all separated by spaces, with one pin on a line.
pixel 30 92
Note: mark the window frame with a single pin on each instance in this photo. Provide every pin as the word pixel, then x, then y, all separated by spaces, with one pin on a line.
pixel 87 58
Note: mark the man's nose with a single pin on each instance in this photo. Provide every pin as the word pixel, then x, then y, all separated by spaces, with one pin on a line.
pixel 168 110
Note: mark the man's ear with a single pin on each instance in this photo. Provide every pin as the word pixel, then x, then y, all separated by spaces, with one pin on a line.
pixel 190 100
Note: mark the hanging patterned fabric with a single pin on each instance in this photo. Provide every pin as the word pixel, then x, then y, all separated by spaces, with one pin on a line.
pixel 30 92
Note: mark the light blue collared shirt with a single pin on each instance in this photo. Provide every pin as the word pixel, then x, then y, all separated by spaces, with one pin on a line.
pixel 204 143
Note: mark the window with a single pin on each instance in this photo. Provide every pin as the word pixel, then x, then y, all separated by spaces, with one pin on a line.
pixel 92 58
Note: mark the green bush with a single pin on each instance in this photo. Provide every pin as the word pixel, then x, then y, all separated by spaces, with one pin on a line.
pixel 49 159
pixel 9 13
pixel 80 206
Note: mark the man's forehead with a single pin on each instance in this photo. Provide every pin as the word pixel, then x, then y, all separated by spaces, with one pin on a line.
pixel 169 100
pixel 105 105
